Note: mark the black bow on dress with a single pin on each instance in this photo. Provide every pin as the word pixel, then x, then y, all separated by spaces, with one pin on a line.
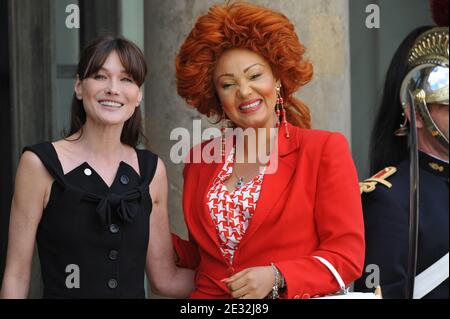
pixel 125 205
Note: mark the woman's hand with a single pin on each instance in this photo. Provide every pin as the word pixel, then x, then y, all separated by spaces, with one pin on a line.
pixel 251 283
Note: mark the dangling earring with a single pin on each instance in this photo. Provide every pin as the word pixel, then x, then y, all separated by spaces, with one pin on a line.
pixel 279 108
pixel 222 150
pixel 403 130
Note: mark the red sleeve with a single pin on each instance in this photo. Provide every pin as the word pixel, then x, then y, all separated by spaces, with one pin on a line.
pixel 339 224
pixel 187 252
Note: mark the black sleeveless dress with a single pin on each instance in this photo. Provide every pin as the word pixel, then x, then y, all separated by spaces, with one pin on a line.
pixel 92 239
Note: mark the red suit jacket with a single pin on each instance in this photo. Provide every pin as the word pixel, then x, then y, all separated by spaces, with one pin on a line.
pixel 310 207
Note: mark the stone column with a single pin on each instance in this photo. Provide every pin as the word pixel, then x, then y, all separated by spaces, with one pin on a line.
pixel 32 71
pixel 32 81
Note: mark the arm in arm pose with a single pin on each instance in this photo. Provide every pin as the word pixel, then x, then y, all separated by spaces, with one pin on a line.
pixel 165 278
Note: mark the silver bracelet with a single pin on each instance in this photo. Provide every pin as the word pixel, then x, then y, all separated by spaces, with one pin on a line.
pixel 276 284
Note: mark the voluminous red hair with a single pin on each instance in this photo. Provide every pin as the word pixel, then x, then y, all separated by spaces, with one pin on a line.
pixel 248 26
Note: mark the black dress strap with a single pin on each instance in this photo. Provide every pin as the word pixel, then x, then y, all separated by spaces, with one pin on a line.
pixel 48 156
pixel 147 165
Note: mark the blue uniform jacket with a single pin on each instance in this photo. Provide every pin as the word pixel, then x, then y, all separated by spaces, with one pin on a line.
pixel 386 215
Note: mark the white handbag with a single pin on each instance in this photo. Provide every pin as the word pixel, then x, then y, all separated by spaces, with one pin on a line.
pixel 344 293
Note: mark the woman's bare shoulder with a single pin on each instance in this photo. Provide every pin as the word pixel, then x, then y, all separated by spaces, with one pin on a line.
pixel 32 175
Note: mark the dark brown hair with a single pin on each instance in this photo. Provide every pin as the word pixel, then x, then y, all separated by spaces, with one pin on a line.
pixel 92 59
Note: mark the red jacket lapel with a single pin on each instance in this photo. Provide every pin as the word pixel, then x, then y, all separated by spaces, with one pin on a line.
pixel 275 184
pixel 272 188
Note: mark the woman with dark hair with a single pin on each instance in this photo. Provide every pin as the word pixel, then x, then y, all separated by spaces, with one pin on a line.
pixel 256 233
pixel 96 204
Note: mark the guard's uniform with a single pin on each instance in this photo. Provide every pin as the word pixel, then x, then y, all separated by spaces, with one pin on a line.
pixel 386 218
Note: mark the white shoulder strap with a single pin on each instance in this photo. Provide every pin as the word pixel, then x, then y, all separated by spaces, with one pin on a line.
pixel 333 271
pixel 431 277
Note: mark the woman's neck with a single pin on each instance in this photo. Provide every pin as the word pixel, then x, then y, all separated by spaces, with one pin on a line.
pixel 102 142
pixel 260 145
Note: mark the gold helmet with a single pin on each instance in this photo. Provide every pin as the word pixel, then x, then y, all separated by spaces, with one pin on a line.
pixel 427 79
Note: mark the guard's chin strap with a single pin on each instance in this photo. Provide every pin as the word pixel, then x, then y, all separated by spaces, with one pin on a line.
pixel 419 97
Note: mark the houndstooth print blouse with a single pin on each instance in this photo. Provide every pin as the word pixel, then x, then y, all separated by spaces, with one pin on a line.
pixel 231 212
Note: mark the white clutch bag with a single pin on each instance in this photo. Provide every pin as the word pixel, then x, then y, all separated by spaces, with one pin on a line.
pixel 344 293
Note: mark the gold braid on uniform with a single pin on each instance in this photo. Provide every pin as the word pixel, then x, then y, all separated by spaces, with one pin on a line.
pixel 369 185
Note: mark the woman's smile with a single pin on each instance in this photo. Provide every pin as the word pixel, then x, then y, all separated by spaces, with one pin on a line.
pixel 251 106
pixel 110 104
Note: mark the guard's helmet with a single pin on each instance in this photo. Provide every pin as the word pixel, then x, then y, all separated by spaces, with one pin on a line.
pixel 427 79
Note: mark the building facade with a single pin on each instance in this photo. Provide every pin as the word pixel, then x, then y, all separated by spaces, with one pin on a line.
pixel 41 44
